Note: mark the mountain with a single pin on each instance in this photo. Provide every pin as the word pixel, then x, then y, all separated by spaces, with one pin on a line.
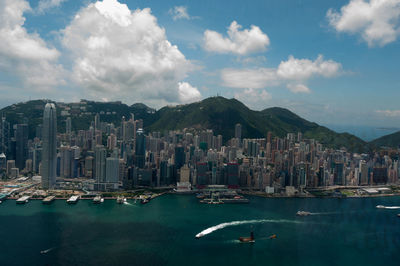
pixel 221 115
pixel 391 140
pixel 216 113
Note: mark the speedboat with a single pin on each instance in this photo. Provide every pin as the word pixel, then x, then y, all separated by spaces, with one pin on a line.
pixel 380 206
pixel 247 239
pixel 303 213
pixel 272 236
pixel 199 235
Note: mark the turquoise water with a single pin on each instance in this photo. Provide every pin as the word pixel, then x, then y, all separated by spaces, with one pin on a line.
pixel 341 232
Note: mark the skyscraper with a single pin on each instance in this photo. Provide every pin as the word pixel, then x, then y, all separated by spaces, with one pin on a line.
pixel 140 148
pixel 4 136
pixel 21 145
pixel 49 151
pixel 238 131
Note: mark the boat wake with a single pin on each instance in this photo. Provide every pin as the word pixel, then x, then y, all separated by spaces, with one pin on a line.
pixel 388 207
pixel 235 223
pixel 46 251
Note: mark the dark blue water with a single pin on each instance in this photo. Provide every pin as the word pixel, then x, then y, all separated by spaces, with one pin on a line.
pixel 341 232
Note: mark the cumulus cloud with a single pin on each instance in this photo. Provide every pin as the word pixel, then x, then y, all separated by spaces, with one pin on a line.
pixel 179 12
pixel 188 93
pixel 45 5
pixel 302 69
pixel 254 98
pixel 293 72
pixel 239 42
pixel 376 20
pixel 389 113
pixel 122 53
pixel 24 54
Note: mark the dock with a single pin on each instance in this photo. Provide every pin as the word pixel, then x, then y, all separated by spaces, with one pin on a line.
pixel 73 199
pixel 23 199
pixel 48 199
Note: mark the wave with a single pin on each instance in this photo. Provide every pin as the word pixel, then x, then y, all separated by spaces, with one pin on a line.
pixel 235 223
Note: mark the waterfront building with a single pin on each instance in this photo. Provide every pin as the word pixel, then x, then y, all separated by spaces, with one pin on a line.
pixel 49 155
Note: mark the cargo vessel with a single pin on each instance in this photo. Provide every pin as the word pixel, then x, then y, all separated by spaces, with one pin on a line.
pixel 247 239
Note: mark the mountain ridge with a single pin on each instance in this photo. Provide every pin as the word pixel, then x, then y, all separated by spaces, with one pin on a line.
pixel 217 113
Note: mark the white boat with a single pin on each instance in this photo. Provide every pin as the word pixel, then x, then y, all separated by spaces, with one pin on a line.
pixel 380 206
pixel 303 213
pixel 73 199
pixel 98 199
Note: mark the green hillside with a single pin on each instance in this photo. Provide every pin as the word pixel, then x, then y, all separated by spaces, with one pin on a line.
pixel 391 140
pixel 216 113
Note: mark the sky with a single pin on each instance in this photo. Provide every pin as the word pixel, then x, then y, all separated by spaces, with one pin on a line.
pixel 331 62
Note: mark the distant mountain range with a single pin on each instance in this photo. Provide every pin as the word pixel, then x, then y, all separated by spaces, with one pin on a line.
pixel 216 113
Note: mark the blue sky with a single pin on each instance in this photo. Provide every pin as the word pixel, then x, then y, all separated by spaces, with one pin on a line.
pixel 332 62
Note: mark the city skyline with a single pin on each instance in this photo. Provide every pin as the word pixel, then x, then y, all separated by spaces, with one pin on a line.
pixel 325 61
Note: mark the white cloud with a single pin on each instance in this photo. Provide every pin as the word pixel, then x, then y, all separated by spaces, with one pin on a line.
pixel 376 20
pixel 248 78
pixel 303 69
pixel 188 93
pixel 293 72
pixel 254 98
pixel 119 53
pixel 298 88
pixel 389 113
pixel 239 42
pixel 179 12
pixel 26 55
pixel 45 5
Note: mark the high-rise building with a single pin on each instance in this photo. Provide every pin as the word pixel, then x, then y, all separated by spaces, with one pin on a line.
pixel 238 131
pixel 4 136
pixel 179 157
pixel 21 145
pixel 49 150
pixel 100 164
pixel 68 125
pixel 140 148
pixel 97 121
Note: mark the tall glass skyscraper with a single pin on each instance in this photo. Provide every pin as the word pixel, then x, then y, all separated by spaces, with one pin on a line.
pixel 49 152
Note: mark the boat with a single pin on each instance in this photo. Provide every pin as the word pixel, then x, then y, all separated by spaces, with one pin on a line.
pixel 247 239
pixel 380 206
pixel 199 235
pixel 48 199
pixel 23 199
pixel 98 199
pixel 398 215
pixel 272 236
pixel 144 201
pixel 303 213
pixel 73 199
pixel 121 200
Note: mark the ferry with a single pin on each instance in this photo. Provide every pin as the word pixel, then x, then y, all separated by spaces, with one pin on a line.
pixel 98 199
pixel 247 239
pixel 121 200
pixel 73 199
pixel 48 199
pixel 23 199
pixel 303 213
